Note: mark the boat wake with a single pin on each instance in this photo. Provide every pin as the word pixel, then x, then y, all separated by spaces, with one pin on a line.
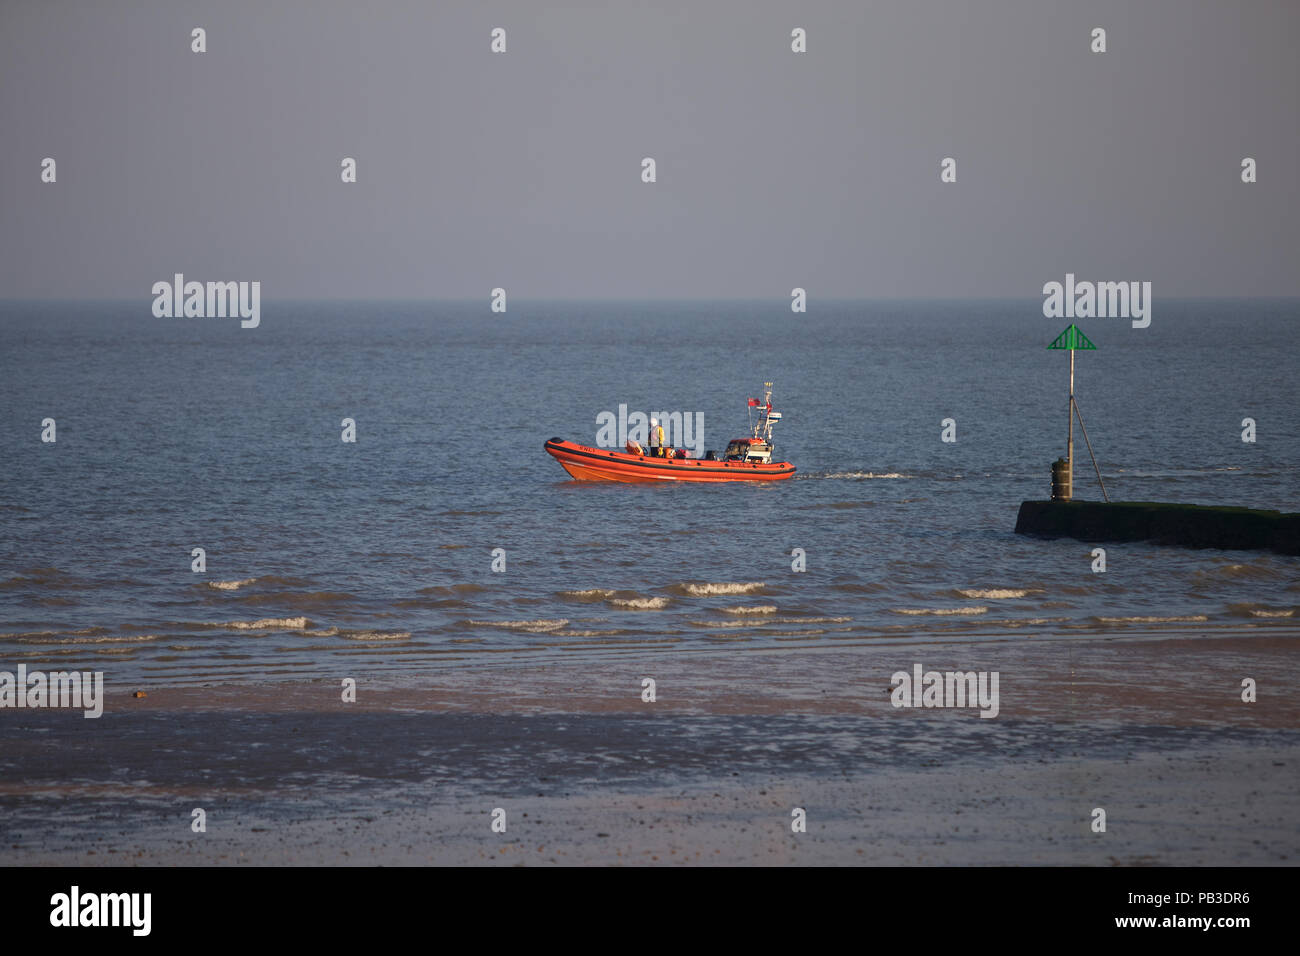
pixel 851 475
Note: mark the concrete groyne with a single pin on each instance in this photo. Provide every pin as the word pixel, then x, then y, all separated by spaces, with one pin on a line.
pixel 1188 526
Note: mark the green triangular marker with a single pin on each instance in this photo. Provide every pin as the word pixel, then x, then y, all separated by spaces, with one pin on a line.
pixel 1072 338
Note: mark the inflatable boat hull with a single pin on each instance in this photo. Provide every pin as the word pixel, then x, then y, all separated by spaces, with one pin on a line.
pixel 603 464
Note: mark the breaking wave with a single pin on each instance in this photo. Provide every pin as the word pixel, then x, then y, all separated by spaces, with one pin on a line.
pixel 1026 621
pixel 1154 619
pixel 359 635
pixel 588 596
pixel 1253 610
pixel 540 626
pixel 1235 571
pixel 708 589
pixel 640 603
pixel 941 611
pixel 375 635
pixel 772 620
pixel 756 609
pixel 104 639
pixel 996 594
pixel 267 624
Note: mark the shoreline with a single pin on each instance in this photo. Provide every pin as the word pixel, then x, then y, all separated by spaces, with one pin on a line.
pixel 1059 678
pixel 1154 731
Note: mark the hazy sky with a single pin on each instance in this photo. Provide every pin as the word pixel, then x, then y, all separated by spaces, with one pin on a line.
pixel 523 170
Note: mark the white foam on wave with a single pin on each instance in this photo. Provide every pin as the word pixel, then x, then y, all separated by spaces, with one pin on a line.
pixel 1261 570
pixel 359 635
pixel 710 588
pixel 375 635
pixel 755 609
pixel 767 621
pixel 940 611
pixel 997 594
pixel 588 594
pixel 229 585
pixel 539 626
pixel 1154 619
pixel 269 624
pixel 640 603
pixel 103 639
pixel 1264 612
pixel 1027 621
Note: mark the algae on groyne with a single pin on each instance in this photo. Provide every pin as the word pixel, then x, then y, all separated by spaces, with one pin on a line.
pixel 1188 526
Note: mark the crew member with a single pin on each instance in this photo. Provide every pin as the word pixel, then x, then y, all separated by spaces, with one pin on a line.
pixel 656 438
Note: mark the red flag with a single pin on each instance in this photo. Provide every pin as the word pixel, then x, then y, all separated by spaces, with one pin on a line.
pixel 753 403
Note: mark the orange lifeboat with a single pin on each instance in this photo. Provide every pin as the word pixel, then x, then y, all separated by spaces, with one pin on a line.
pixel 602 464
pixel 746 459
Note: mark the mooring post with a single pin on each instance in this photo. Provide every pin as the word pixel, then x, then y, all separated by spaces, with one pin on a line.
pixel 1069 443
pixel 1063 468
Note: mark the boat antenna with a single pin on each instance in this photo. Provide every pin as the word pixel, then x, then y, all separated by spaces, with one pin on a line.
pixel 763 428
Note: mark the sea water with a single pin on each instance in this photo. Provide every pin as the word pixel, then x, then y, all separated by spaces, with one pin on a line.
pixel 445 536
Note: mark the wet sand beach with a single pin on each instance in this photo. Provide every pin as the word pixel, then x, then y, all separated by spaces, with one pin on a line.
pixel 1150 728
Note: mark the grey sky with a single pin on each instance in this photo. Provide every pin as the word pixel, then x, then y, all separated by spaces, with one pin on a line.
pixel 775 169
